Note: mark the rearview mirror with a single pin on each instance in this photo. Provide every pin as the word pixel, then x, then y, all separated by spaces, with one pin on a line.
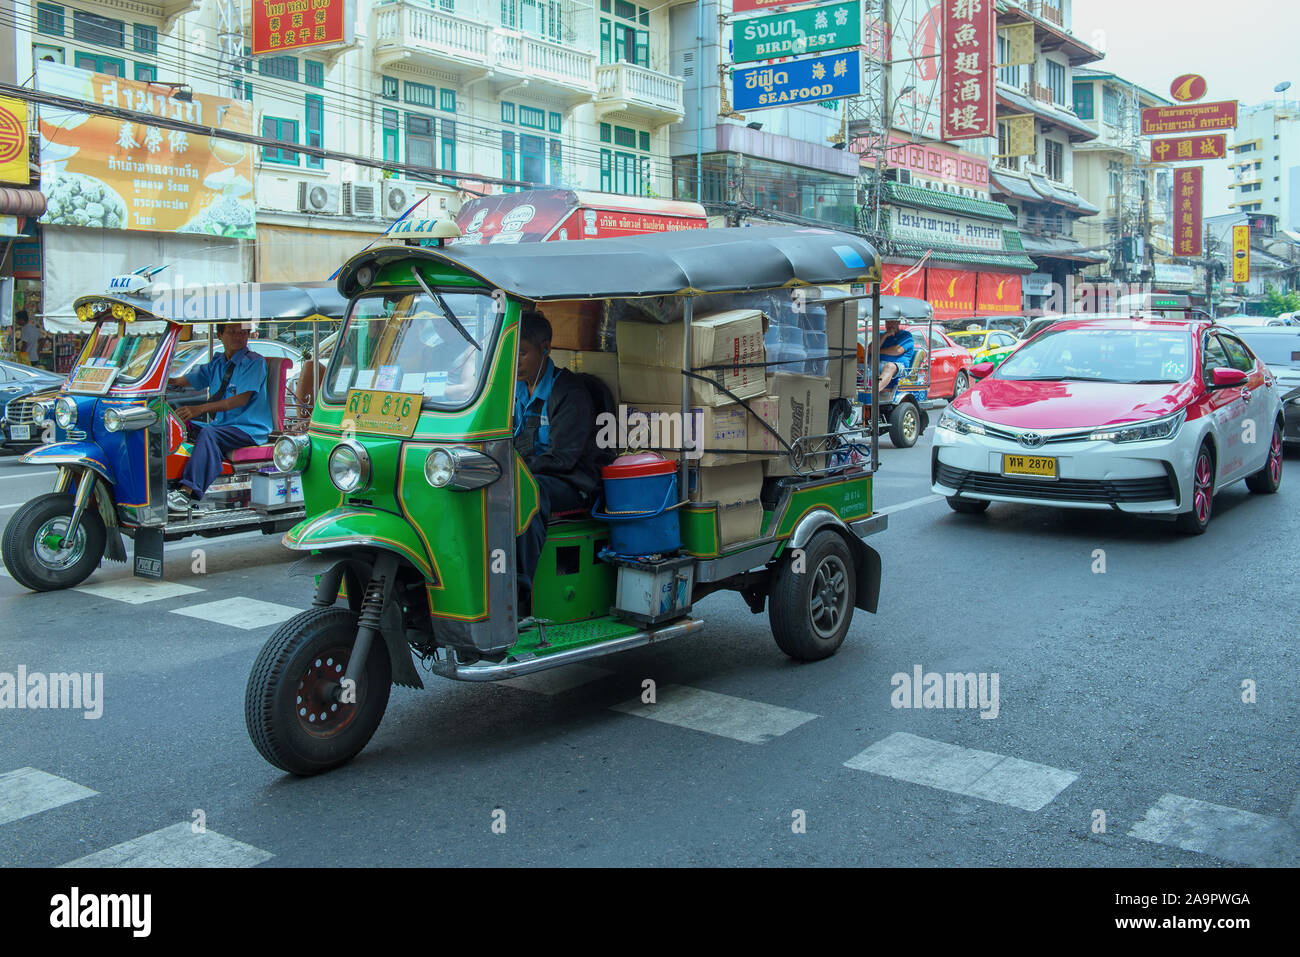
pixel 1227 378
pixel 981 370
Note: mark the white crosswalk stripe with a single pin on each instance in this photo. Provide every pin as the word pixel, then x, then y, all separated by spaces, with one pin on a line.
pixel 981 774
pixel 176 846
pixel 246 613
pixel 1223 832
pixel 738 718
pixel 137 591
pixel 28 791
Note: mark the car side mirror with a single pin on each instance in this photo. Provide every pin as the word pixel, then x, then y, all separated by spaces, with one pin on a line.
pixel 981 370
pixel 1227 378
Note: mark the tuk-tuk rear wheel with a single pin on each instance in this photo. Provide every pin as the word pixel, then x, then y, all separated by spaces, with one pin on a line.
pixel 904 425
pixel 812 599
pixel 30 554
pixel 290 707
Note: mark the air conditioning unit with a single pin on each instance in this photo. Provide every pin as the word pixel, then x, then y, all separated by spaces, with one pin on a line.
pixel 400 195
pixel 905 177
pixel 360 199
pixel 318 198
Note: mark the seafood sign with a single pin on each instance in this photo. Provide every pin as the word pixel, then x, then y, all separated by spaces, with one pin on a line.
pixel 105 172
pixel 796 32
pixel 798 81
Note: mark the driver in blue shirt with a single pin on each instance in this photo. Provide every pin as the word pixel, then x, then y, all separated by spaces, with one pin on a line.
pixel 896 353
pixel 240 408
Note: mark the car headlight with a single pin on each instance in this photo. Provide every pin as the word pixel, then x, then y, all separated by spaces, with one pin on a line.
pixel 460 468
pixel 65 412
pixel 1162 428
pixel 112 421
pixel 130 418
pixel 955 422
pixel 40 412
pixel 439 468
pixel 292 453
pixel 349 467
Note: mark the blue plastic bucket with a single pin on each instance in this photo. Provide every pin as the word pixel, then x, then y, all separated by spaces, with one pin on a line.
pixel 640 492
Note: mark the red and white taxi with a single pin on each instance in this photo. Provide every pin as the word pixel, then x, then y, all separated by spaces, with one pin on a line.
pixel 1140 415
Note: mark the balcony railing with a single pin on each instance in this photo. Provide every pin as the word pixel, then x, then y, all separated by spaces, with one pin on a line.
pixel 1048 11
pixel 636 85
pixel 543 59
pixel 420 29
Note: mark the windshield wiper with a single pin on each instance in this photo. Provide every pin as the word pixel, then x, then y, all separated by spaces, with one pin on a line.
pixel 446 310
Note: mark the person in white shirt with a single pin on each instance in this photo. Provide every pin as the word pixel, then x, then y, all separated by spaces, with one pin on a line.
pixel 29 337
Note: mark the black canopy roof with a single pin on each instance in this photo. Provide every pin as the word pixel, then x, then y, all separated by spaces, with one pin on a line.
pixel 659 264
pixel 232 302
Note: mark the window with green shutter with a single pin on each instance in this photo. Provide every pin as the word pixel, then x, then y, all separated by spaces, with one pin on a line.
pixel 392 126
pixel 557 163
pixel 507 112
pixel 145 37
pixel 49 19
pixel 419 141
pixel 604 132
pixel 315 128
pixel 449 149
pixel 280 67
pixel 313 73
pixel 420 94
pixel 556 121
pixel 110 65
pixel 644 140
pixel 285 131
pixel 1083 101
pixel 532 117
pixel 389 89
pixel 606 168
pixel 508 156
pixel 624 137
pixel 447 101
pixel 146 72
pixel 92 28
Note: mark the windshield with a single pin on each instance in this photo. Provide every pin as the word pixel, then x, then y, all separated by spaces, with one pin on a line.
pixel 1102 355
pixel 1273 349
pixel 125 347
pixel 408 342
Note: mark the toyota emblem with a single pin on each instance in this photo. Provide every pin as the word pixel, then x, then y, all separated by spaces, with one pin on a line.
pixel 1032 440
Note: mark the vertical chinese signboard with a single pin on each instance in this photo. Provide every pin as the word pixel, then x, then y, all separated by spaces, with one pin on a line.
pixel 13 142
pixel 1241 254
pixel 1187 210
pixel 968 54
pixel 280 25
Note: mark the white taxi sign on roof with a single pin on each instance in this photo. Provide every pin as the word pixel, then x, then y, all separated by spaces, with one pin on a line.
pixel 128 284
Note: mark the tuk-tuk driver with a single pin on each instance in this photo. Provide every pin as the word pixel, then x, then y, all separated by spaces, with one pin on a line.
pixel 555 434
pixel 241 408
pixel 896 352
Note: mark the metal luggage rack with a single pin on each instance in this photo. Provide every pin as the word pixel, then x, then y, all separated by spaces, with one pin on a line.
pixel 810 447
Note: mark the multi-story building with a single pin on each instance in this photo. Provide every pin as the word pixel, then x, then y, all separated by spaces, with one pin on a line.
pixel 574 93
pixel 1265 160
pixel 1114 172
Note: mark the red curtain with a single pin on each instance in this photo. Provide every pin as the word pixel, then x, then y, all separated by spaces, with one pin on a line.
pixel 951 292
pixel 998 294
pixel 913 285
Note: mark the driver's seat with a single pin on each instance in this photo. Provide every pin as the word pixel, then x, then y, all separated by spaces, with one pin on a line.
pixel 277 377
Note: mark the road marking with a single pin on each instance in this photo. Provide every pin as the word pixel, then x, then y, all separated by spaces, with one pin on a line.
pixel 739 718
pixel 30 475
pixel 890 509
pixel 246 613
pixel 558 680
pixel 28 791
pixel 981 774
pixel 176 846
pixel 137 591
pixel 1224 832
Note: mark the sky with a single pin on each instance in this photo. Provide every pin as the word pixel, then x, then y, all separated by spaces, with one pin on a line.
pixel 1243 49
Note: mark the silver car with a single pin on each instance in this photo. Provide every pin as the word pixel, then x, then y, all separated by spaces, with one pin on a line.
pixel 1278 347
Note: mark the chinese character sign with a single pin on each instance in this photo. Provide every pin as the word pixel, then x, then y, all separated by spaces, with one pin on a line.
pixel 13 142
pixel 1194 148
pixel 1189 118
pixel 968 54
pixel 1241 253
pixel 280 25
pixel 796 32
pixel 798 81
pixel 1187 210
pixel 100 171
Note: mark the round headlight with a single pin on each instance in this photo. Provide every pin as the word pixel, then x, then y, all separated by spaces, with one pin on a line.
pixel 365 276
pixel 112 420
pixel 40 412
pixel 439 468
pixel 285 454
pixel 349 467
pixel 65 412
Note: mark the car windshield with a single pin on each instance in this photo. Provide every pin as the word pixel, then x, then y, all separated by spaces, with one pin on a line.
pixel 126 347
pixel 408 342
pixel 1102 355
pixel 1274 349
pixel 969 340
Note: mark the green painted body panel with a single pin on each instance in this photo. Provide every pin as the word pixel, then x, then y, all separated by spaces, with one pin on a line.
pixel 849 499
pixel 700 534
pixel 357 523
pixel 587 590
pixel 575 635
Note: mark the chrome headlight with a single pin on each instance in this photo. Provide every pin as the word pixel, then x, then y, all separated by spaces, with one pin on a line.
pixel 956 422
pixel 65 412
pixel 129 418
pixel 292 453
pixel 349 467
pixel 1163 428
pixel 40 412
pixel 112 421
pixel 461 469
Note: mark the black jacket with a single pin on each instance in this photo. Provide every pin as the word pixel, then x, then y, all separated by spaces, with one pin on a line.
pixel 572 452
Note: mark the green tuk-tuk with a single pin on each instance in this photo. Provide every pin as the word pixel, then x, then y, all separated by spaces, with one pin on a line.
pixel 415 493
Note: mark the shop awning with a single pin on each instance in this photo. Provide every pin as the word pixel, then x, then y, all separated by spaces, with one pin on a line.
pixel 15 201
pixel 1041 248
pixel 946 202
pixel 1062 195
pixel 1076 129
pixel 1009 262
pixel 1014 186
pixel 295 254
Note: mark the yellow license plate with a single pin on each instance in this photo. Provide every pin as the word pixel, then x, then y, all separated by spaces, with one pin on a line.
pixel 1039 466
pixel 382 412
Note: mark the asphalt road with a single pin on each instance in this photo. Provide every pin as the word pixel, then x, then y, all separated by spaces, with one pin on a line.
pixel 1121 736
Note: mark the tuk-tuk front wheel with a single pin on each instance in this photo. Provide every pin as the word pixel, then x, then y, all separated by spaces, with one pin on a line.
pixel 812 599
pixel 34 549
pixel 904 425
pixel 299 715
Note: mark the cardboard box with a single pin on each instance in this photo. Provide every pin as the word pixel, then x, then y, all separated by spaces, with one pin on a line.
pixel 603 365
pixel 575 323
pixel 650 358
pixel 741 522
pixel 727 484
pixel 733 433
pixel 842 340
pixel 803 408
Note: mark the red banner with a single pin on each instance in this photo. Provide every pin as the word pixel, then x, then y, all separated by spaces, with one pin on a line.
pixel 951 292
pixel 1190 118
pixel 998 294
pixel 280 25
pixel 1189 149
pixel 968 57
pixel 891 283
pixel 1187 210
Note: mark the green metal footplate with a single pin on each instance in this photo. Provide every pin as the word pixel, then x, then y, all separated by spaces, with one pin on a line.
pixel 563 637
